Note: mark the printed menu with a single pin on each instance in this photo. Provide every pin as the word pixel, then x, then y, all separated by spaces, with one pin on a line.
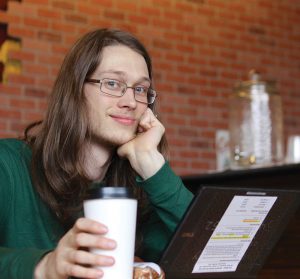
pixel 233 234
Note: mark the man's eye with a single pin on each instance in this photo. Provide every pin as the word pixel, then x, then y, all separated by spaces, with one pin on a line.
pixel 140 89
pixel 112 84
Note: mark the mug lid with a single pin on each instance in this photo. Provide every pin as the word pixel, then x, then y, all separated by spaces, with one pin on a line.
pixel 106 192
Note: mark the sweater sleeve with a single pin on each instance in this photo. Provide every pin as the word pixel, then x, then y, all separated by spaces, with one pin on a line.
pixel 15 263
pixel 169 199
pixel 19 263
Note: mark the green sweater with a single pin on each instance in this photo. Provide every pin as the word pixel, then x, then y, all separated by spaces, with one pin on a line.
pixel 28 229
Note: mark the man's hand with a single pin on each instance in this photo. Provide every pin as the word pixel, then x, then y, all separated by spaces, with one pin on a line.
pixel 142 151
pixel 69 258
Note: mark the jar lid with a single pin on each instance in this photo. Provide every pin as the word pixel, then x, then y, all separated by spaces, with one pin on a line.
pixel 110 193
pixel 255 84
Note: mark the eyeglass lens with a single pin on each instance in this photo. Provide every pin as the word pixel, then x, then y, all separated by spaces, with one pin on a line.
pixel 117 88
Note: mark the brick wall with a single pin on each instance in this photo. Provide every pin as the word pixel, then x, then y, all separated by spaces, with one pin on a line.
pixel 200 49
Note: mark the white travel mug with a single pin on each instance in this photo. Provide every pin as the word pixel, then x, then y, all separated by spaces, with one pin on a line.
pixel 116 208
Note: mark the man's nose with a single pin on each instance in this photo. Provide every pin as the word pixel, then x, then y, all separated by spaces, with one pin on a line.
pixel 128 99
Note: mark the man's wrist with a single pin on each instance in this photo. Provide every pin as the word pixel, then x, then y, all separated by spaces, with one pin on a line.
pixel 149 163
pixel 39 272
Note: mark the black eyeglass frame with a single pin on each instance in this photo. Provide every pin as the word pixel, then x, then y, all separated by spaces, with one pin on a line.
pixel 100 81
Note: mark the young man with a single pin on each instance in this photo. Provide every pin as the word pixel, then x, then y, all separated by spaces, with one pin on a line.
pixel 100 129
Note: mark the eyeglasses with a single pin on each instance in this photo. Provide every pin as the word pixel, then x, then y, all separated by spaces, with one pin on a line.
pixel 116 88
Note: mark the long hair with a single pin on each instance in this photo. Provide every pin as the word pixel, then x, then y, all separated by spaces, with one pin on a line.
pixel 57 143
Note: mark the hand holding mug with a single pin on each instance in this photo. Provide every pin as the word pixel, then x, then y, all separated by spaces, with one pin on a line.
pixel 72 257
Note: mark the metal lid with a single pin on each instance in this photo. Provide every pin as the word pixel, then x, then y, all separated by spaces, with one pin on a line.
pixel 255 85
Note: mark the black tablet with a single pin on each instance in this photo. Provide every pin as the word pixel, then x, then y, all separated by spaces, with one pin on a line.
pixel 228 232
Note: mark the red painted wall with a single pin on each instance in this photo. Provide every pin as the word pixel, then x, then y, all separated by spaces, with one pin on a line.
pixel 200 49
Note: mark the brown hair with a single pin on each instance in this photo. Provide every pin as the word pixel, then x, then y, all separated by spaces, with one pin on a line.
pixel 57 155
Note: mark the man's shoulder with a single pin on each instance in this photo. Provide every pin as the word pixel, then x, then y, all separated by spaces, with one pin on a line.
pixel 11 147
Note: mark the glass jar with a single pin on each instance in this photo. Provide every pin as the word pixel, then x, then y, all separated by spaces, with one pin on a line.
pixel 255 124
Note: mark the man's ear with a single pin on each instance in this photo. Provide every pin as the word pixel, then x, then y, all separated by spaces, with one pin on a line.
pixel 152 107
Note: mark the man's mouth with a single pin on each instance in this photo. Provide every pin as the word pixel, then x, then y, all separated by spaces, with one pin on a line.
pixel 124 120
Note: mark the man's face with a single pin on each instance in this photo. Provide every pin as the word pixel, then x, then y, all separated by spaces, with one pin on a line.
pixel 114 120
